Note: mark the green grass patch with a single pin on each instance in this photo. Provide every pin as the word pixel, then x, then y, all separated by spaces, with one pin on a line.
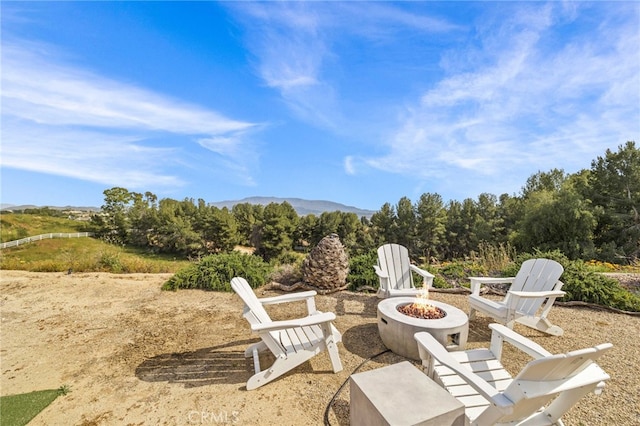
pixel 17 226
pixel 18 410
pixel 86 255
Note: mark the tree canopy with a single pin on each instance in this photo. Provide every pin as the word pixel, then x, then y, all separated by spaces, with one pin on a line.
pixel 591 214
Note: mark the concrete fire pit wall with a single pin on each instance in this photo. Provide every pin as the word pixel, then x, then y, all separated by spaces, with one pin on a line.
pixel 397 330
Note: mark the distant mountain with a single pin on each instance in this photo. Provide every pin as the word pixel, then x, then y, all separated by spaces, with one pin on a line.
pixel 14 207
pixel 302 207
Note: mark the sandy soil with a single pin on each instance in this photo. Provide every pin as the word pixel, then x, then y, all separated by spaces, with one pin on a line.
pixel 135 355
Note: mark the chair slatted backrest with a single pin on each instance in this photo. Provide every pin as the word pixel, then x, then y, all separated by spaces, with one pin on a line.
pixel 541 380
pixel 255 313
pixel 394 260
pixel 258 315
pixel 535 275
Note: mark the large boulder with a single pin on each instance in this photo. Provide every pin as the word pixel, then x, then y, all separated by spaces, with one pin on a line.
pixel 327 266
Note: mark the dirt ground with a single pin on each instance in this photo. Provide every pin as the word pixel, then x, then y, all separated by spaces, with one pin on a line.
pixel 135 355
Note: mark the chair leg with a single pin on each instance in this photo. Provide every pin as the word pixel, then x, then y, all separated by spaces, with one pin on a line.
pixel 260 346
pixel 271 373
pixel 564 402
pixel 332 348
pixel 282 365
pixel 541 324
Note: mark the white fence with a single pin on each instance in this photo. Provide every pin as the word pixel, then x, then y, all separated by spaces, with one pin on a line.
pixel 44 237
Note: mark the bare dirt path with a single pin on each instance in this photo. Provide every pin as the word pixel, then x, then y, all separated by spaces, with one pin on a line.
pixel 134 355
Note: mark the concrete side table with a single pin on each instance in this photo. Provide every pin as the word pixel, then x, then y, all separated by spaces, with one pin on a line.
pixel 402 395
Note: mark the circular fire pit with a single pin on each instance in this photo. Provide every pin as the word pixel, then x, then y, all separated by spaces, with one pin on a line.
pixel 397 329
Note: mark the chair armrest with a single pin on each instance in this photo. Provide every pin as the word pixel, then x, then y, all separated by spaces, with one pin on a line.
pixel 300 322
pixel 379 272
pixel 527 346
pixel 308 296
pixel 426 342
pixel 476 282
pixel 421 272
pixel 290 297
pixel 536 294
pixel 427 277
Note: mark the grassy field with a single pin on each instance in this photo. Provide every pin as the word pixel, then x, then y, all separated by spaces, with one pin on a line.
pixel 77 254
pixel 16 226
pixel 85 255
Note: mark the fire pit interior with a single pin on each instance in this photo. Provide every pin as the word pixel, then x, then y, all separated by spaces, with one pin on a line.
pixel 421 310
pixel 396 325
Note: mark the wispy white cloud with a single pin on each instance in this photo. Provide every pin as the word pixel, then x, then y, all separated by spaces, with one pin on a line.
pixel 524 105
pixel 67 121
pixel 292 43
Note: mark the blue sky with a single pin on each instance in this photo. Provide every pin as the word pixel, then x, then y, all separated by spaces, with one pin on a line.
pixel 360 103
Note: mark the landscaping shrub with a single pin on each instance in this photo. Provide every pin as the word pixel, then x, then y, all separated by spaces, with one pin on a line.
pixel 215 272
pixel 287 274
pixel 289 257
pixel 587 286
pixel 457 272
pixel 361 271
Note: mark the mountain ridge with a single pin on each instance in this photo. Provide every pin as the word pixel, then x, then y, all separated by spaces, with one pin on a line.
pixel 302 206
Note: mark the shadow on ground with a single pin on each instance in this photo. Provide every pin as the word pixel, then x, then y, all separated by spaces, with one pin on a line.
pixel 363 340
pixel 202 367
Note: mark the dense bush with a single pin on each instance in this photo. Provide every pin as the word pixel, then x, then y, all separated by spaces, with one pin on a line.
pixel 216 271
pixel 287 274
pixel 461 271
pixel 361 273
pixel 587 286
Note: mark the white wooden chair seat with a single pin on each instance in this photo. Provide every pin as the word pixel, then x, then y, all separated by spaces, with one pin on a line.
pixel 540 394
pixel 292 342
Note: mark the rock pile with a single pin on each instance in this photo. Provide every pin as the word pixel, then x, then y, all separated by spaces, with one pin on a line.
pixel 327 266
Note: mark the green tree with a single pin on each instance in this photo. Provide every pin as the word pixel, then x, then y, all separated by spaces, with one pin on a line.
pixel 348 230
pixel 276 231
pixel 459 224
pixel 304 235
pixel 112 223
pixel 143 219
pixel 489 226
pixel 175 231
pixel 218 230
pixel 544 181
pixel 431 218
pixel 615 188
pixel 247 217
pixel 557 220
pixel 406 225
pixel 383 224
pixel 328 223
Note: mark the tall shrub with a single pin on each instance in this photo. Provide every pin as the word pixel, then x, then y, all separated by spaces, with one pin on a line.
pixel 215 272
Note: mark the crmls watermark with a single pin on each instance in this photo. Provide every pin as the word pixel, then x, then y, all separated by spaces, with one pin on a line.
pixel 202 417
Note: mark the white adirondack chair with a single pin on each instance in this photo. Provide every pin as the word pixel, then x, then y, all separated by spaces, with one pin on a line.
pixel 394 271
pixel 536 283
pixel 540 394
pixel 292 342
